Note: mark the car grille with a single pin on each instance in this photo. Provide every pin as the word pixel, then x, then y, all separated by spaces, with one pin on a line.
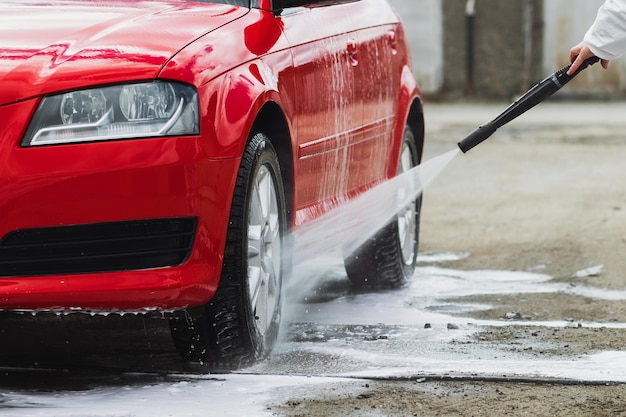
pixel 98 247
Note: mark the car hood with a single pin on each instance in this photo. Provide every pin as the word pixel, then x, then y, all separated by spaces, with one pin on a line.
pixel 56 45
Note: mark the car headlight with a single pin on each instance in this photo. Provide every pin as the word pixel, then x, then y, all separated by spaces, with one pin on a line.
pixel 129 111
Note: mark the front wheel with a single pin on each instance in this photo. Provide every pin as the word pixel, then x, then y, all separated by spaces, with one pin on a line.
pixel 240 324
pixel 387 260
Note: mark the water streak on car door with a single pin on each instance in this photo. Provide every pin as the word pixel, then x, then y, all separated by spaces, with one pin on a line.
pixel 377 78
pixel 327 115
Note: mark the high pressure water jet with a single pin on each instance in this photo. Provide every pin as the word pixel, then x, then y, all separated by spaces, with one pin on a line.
pixel 350 224
pixel 530 99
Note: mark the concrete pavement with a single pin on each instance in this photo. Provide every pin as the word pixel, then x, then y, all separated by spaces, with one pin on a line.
pixel 552 121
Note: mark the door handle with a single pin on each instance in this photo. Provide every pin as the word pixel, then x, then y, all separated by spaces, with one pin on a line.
pixel 393 41
pixel 353 52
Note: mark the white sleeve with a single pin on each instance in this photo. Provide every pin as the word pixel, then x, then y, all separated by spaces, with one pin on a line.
pixel 606 38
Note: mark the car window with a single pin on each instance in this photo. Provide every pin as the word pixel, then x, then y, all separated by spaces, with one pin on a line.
pixel 283 4
pixel 243 3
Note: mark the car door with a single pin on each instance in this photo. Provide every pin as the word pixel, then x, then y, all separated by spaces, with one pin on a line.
pixel 328 117
pixel 377 78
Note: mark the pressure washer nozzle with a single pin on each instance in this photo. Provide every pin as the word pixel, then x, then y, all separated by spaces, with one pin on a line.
pixel 477 136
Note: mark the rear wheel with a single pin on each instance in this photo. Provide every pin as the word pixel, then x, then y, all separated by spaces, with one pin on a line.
pixel 387 260
pixel 240 323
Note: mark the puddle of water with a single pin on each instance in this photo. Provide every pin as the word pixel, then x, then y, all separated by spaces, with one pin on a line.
pixel 604 366
pixel 422 301
pixel 227 395
pixel 444 282
pixel 408 348
pixel 430 257
pixel 595 292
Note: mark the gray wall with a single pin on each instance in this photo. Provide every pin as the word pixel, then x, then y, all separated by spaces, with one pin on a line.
pixel 567 23
pixel 516 43
pixel 507 47
pixel 423 25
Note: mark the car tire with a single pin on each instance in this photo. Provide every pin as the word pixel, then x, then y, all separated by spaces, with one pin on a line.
pixel 240 324
pixel 387 260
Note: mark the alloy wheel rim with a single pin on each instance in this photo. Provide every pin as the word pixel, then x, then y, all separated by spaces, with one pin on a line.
pixel 264 249
pixel 406 218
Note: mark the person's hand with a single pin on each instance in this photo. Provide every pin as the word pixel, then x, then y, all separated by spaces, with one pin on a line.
pixel 578 54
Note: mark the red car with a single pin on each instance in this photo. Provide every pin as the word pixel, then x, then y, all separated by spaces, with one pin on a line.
pixel 155 155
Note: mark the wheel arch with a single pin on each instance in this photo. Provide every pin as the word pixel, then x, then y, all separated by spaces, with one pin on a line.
pixel 271 120
pixel 409 112
pixel 415 120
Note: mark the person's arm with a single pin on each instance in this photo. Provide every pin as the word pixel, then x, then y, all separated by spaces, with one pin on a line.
pixel 606 38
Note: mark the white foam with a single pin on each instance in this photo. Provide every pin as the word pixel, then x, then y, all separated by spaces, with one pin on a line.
pixel 430 257
pixel 227 395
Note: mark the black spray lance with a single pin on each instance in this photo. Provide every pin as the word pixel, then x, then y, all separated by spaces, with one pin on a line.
pixel 530 99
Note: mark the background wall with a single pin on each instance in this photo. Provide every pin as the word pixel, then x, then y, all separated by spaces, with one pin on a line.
pixel 423 23
pixel 515 44
pixel 506 45
pixel 568 22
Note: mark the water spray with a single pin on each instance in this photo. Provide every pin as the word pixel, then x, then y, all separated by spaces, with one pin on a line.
pixel 344 228
pixel 530 99
pixel 350 224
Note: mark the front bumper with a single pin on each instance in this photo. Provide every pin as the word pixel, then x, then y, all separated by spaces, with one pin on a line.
pixel 92 185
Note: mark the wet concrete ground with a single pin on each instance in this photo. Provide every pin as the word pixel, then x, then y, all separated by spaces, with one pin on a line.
pixel 412 350
pixel 508 314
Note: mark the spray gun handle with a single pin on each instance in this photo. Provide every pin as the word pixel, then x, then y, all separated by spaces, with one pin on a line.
pixel 531 98
pixel 561 76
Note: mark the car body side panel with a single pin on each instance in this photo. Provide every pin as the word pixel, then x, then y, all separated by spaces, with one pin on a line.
pixel 387 84
pixel 327 117
pixel 378 75
pixel 346 142
pixel 385 91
